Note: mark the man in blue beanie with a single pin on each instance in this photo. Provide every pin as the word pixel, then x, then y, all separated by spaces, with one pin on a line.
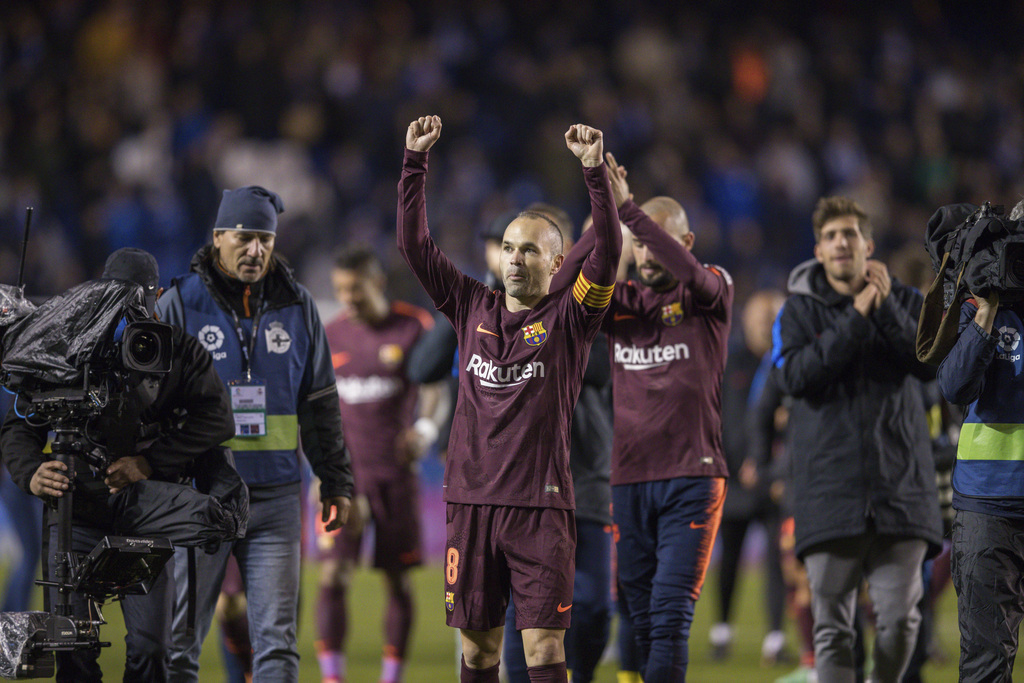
pixel 269 346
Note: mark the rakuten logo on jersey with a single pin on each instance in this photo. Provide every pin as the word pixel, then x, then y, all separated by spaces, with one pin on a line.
pixel 501 377
pixel 635 358
pixel 354 390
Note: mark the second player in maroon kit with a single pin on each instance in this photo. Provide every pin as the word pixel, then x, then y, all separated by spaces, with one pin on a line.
pixel 667 337
pixel 522 355
pixel 370 341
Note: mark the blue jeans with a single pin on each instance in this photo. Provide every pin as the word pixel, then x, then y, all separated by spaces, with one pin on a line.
pixel 269 559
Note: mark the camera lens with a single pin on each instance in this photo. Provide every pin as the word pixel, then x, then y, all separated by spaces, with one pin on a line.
pixel 144 348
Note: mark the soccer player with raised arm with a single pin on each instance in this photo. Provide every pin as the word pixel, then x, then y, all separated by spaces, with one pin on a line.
pixel 522 358
pixel 667 336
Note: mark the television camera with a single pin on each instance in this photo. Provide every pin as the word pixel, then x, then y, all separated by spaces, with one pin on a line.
pixel 77 356
pixel 983 250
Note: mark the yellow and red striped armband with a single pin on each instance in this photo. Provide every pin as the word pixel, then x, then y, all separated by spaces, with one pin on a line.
pixel 589 294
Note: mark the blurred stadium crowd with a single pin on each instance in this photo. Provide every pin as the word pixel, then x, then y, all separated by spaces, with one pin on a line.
pixel 121 121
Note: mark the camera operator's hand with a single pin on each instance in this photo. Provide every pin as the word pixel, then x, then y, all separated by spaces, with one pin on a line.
pixel 338 506
pixel 48 480
pixel 987 307
pixel 126 471
pixel 878 275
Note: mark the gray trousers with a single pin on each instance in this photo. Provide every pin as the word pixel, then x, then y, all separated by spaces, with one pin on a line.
pixel 892 567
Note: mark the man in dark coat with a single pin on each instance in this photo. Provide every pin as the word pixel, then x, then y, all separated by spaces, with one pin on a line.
pixel 863 476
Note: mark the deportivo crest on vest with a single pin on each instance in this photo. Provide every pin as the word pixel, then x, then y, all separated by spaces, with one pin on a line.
pixel 672 314
pixel 535 334
pixel 278 340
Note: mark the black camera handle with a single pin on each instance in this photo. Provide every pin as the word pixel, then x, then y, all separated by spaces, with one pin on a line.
pixel 66 446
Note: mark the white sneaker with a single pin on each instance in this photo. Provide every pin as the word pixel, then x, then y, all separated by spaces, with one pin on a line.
pixel 771 647
pixel 721 640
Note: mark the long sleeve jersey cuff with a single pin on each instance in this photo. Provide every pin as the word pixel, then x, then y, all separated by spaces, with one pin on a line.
pixel 416 161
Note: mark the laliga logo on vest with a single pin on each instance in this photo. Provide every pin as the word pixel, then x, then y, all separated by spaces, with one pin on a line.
pixel 212 338
pixel 1009 340
pixel 278 340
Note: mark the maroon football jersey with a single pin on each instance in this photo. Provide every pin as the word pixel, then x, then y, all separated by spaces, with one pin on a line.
pixel 377 401
pixel 519 372
pixel 668 351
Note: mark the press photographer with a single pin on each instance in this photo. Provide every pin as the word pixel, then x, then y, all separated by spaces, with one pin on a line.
pixel 152 427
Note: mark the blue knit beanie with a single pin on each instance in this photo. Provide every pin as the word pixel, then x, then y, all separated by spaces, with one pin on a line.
pixel 251 208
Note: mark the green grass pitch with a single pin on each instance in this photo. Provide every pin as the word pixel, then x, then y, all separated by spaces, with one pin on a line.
pixel 432 658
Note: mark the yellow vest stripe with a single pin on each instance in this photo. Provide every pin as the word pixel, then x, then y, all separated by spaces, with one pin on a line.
pixel 991 441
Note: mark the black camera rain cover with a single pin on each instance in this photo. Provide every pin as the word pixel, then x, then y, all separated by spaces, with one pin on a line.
pixel 53 342
pixel 941 231
pixel 215 511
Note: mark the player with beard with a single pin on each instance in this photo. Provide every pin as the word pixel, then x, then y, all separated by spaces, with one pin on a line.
pixel 668 335
pixel 522 356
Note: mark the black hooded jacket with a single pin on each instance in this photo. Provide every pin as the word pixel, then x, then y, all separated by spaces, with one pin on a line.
pixel 858 434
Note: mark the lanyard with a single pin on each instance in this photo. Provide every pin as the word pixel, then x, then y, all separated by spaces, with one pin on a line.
pixel 248 347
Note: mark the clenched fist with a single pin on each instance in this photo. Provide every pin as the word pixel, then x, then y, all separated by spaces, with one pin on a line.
pixel 586 143
pixel 423 133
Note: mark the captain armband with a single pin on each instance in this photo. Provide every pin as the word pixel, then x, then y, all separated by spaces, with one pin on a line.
pixel 589 294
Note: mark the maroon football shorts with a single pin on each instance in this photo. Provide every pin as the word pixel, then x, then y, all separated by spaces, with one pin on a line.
pixel 395 510
pixel 494 549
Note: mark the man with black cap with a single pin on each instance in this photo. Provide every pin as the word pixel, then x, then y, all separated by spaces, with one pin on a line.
pixel 192 401
pixel 269 347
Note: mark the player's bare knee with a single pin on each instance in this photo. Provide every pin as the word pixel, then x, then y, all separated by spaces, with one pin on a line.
pixel 481 649
pixel 543 646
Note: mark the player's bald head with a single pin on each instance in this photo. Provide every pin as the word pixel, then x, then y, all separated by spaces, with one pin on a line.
pixel 669 214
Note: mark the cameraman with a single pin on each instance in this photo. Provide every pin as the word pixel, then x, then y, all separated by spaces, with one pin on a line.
pixel 193 401
pixel 984 371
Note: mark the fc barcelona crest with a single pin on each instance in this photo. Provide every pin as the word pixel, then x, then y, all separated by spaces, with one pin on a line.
pixel 672 314
pixel 535 334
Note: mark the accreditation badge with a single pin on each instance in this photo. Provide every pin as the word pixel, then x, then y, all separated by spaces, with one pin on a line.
pixel 249 405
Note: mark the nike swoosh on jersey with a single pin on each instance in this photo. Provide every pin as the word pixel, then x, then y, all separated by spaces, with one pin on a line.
pixel 623 316
pixel 480 328
pixel 564 609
